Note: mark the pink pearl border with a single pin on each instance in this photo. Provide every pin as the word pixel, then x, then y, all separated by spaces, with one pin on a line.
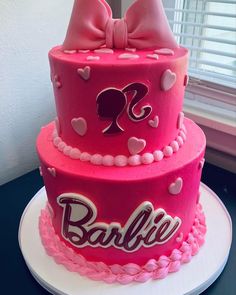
pixel 121 160
pixel 124 274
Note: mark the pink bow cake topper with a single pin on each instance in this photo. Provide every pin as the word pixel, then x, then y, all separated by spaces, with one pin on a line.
pixel 144 26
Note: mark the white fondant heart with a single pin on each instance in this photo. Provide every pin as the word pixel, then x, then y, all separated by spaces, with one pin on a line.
pixel 104 50
pixel 79 125
pixel 136 145
pixel 154 123
pixel 168 80
pixel 70 51
pixel 164 51
pixel 128 56
pixel 84 73
pixel 93 58
pixel 153 56
pixel 180 120
pixel 52 171
pixel 176 187
pixel 84 51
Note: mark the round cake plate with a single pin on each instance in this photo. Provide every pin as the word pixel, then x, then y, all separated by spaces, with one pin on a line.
pixel 193 278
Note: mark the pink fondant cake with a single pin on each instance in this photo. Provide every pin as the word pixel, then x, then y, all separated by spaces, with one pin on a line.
pixel 121 164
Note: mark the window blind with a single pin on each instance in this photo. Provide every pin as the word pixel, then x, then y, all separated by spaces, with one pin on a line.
pixel 208 29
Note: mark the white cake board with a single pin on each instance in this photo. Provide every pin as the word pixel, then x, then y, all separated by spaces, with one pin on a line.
pixel 193 278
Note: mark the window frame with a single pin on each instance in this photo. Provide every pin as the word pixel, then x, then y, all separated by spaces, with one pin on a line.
pixel 213 107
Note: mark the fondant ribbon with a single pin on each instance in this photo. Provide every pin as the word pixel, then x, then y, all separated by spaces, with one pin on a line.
pixel 144 26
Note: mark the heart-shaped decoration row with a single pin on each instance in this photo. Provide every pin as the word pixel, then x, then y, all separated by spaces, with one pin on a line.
pixel 176 187
pixel 136 145
pixel 79 125
pixel 168 80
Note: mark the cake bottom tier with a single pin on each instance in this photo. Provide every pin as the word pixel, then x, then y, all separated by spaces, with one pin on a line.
pixel 130 218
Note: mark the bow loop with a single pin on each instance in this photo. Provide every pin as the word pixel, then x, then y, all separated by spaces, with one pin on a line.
pixel 144 26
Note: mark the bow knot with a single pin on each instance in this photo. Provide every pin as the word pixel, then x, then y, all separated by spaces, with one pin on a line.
pixel 144 26
pixel 116 33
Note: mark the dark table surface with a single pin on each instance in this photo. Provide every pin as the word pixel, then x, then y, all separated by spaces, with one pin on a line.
pixel 15 277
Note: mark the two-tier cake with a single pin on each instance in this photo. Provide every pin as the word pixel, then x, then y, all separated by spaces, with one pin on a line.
pixel 121 164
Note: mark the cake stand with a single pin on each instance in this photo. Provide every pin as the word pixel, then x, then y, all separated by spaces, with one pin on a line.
pixel 192 278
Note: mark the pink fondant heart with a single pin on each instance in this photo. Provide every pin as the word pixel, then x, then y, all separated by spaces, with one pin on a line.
pixel 104 51
pixel 52 171
pixel 164 51
pixel 180 120
pixel 136 145
pixel 176 187
pixel 153 56
pixel 84 73
pixel 168 80
pixel 154 123
pixel 84 51
pixel 128 56
pixel 180 238
pixel 79 125
pixel 93 58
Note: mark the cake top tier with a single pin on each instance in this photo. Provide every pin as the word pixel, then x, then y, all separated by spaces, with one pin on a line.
pixel 144 26
pixel 120 104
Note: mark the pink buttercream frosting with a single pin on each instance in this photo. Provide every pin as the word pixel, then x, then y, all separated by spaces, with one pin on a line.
pixel 123 274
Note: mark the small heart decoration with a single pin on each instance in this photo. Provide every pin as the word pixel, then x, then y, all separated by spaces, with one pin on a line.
pixel 168 80
pixel 180 237
pixel 136 145
pixel 84 51
pixel 176 187
pixel 180 120
pixel 84 73
pixel 128 56
pixel 52 171
pixel 154 123
pixel 153 56
pixel 91 58
pixel 164 51
pixel 104 51
pixel 57 81
pixel 80 126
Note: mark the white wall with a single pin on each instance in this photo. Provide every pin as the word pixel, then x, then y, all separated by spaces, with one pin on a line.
pixel 28 29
